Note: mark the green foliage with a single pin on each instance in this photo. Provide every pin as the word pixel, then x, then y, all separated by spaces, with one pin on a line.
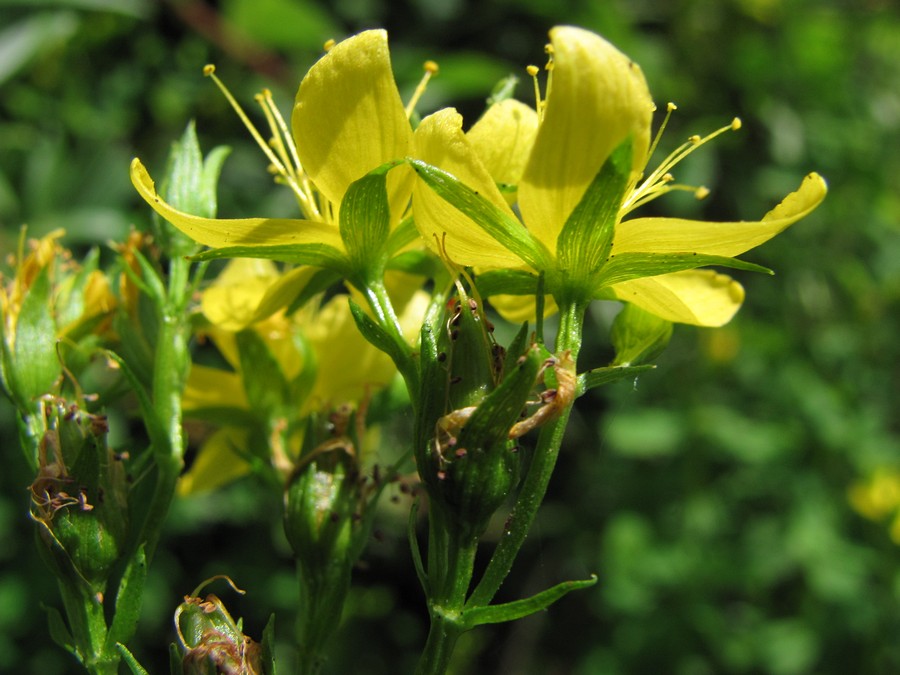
pixel 708 494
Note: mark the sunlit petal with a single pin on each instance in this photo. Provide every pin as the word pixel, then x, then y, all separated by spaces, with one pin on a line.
pixel 698 297
pixel 349 119
pixel 222 232
pixel 503 139
pixel 598 97
pixel 673 235
pixel 440 141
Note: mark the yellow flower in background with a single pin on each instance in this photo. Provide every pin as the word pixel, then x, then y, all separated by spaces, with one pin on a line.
pixel 878 498
pixel 597 99
pixel 319 351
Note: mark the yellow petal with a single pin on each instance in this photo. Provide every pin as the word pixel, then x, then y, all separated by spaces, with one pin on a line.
pixel 598 97
pixel 349 367
pixel 439 141
pixel 520 308
pixel 349 119
pixel 674 235
pixel 231 302
pixel 213 388
pixel 218 462
pixel 221 232
pixel 503 139
pixel 698 297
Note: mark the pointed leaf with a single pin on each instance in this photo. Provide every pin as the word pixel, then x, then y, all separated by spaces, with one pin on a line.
pixel 268 646
pixel 375 334
pixel 365 221
pixel 510 611
pixel 586 238
pixel 59 631
pixel 628 266
pixel 35 360
pixel 600 376
pixel 128 600
pixel 315 254
pixel 130 660
pixel 508 231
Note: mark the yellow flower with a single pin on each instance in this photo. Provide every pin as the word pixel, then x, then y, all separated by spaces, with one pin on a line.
pixel 348 120
pixel 322 356
pixel 878 498
pixel 580 175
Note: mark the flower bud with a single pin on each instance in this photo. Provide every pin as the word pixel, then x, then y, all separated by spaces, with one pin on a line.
pixel 211 640
pixel 470 464
pixel 79 495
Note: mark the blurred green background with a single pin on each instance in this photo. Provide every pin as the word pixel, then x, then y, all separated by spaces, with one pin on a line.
pixel 710 496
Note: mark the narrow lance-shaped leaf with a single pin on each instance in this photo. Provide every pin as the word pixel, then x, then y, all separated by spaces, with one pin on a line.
pixel 510 611
pixel 506 230
pixel 35 362
pixel 628 266
pixel 586 238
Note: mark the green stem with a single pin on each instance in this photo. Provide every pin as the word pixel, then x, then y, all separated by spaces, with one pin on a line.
pixel 534 487
pixel 380 303
pixel 322 598
pixel 451 561
pixel 88 625
pixel 170 371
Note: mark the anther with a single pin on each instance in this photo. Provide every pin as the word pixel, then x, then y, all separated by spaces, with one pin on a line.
pixel 431 68
pixel 328 45
pixel 208 69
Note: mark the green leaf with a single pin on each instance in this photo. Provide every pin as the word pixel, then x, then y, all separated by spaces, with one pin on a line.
pixel 268 391
pixel 365 222
pixel 35 361
pixel 321 281
pixel 59 631
pixel 414 547
pixel 317 255
pixel 600 376
pixel 268 647
pixel 155 428
pixel 404 234
pixel 189 185
pixel 375 334
pixel 498 224
pixel 586 239
pixel 510 611
pixel 491 421
pixel 128 600
pixel 638 336
pixel 627 266
pixel 507 282
pixel 129 659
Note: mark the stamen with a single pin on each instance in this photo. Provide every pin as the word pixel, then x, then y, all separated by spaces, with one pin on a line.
pixel 660 181
pixel 210 71
pixel 538 103
pixel 328 45
pixel 431 69
pixel 670 108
